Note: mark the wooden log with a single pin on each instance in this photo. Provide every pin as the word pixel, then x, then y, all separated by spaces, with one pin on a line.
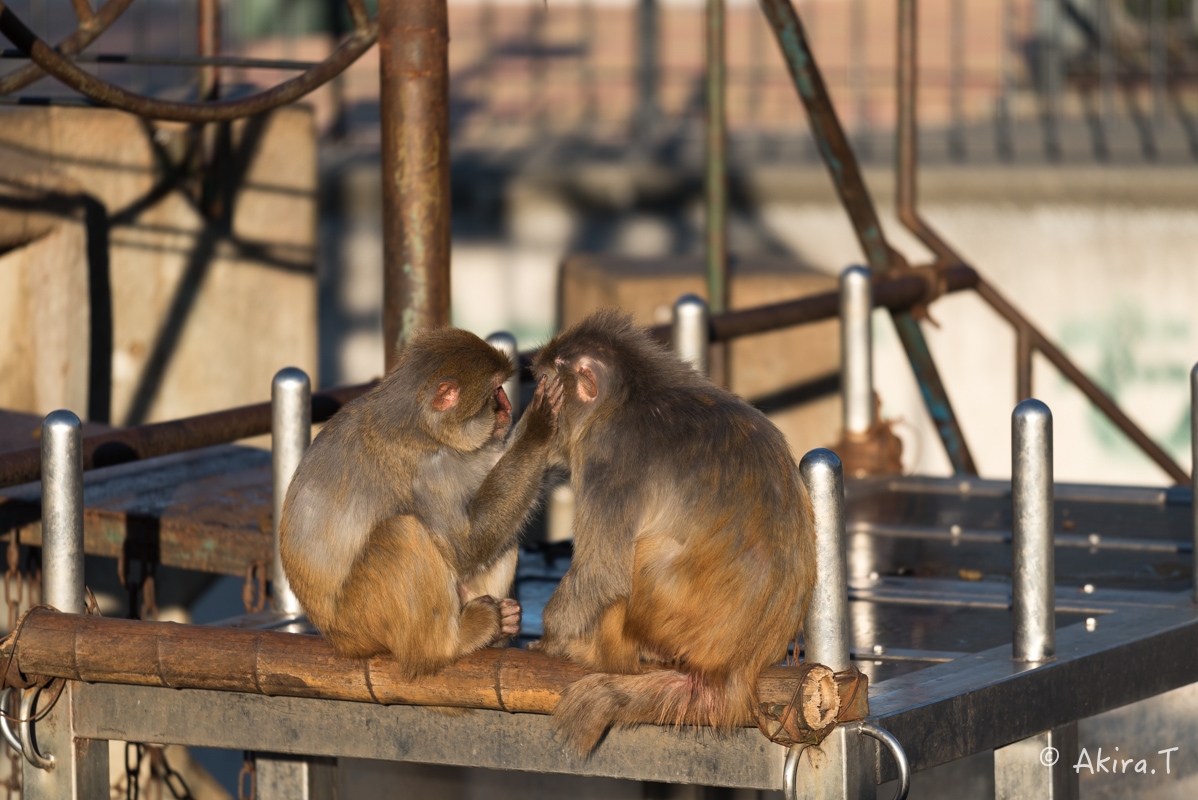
pixel 103 650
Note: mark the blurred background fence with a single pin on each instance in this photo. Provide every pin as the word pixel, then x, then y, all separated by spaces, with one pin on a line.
pixel 1000 80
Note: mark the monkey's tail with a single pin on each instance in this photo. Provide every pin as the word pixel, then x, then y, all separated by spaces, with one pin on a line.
pixel 666 697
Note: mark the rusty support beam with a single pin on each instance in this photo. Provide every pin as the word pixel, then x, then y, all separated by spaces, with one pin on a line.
pixel 176 436
pixel 908 136
pixel 846 177
pixel 825 127
pixel 1090 389
pixel 414 94
pixel 208 46
pixel 716 173
pixel 133 652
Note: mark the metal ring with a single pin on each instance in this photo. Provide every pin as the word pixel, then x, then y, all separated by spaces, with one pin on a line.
pixel 790 771
pixel 5 728
pixel 28 748
pixel 896 750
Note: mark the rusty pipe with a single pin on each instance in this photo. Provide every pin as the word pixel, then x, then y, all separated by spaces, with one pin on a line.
pixel 176 436
pixel 414 94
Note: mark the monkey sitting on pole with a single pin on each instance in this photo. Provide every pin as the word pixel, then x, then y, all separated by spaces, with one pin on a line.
pixel 694 550
pixel 400 525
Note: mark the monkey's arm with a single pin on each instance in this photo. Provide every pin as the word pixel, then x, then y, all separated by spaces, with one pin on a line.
pixel 601 571
pixel 507 495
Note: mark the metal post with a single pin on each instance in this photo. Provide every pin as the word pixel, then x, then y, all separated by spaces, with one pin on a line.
pixel 291 433
pixel 716 178
pixel 62 512
pixel 414 97
pixel 1194 471
pixel 1156 58
pixel 80 768
pixel 1106 67
pixel 1002 137
pixel 856 350
pixel 1039 766
pixel 826 629
pixel 691 333
pixel 647 69
pixel 956 77
pixel 283 777
pixel 1050 74
pixel 506 344
pixel 1032 578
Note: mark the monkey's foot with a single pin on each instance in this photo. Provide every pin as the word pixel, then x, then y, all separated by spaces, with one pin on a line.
pixel 509 617
pixel 534 645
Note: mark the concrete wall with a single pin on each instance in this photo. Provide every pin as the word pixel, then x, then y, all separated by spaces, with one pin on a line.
pixel 166 310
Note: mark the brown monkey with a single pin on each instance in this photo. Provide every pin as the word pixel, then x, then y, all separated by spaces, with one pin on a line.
pixel 399 528
pixel 693 538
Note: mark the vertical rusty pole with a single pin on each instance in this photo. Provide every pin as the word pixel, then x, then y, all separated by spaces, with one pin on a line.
pixel 208 41
pixel 716 183
pixel 414 89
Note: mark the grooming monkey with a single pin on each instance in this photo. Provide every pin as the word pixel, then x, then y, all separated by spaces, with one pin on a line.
pixel 693 538
pixel 399 528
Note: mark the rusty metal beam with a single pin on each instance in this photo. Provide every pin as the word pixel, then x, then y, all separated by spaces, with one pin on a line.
pixel 176 436
pixel 414 94
pixel 1094 393
pixel 908 136
pixel 850 186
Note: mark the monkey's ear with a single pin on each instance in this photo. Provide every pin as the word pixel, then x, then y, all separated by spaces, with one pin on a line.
pixel 591 373
pixel 446 396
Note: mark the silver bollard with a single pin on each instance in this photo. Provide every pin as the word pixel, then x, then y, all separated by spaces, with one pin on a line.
pixel 1032 576
pixel 689 337
pixel 826 628
pixel 1194 471
pixel 62 512
pixel 506 344
pixel 856 350
pixel 291 433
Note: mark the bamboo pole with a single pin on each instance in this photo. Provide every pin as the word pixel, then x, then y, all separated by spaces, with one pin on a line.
pixel 103 650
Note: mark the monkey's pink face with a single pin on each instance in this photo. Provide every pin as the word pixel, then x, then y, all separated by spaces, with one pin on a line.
pixel 502 409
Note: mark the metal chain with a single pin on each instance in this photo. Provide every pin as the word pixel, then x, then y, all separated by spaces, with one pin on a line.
pixel 249 769
pixel 173 781
pixel 133 770
pixel 161 773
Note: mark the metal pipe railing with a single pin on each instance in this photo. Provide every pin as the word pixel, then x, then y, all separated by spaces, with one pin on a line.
pixel 689 332
pixel 62 512
pixel 1032 573
pixel 856 351
pixel 826 628
pixel 291 433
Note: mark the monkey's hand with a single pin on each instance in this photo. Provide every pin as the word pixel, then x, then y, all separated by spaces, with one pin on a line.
pixel 540 419
pixel 509 617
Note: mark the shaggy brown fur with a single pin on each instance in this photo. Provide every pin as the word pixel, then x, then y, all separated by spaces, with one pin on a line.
pixel 399 529
pixel 693 538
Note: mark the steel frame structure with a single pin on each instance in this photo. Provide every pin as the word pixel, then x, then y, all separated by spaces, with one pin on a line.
pixel 961 704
